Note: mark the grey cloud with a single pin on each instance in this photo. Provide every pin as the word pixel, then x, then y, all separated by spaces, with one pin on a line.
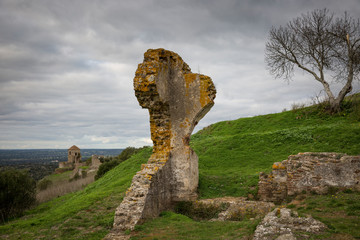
pixel 66 67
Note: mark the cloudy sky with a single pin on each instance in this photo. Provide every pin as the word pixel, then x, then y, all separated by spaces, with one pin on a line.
pixel 67 67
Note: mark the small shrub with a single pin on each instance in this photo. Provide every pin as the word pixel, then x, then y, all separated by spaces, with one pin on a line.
pixel 44 184
pixel 313 192
pixel 17 193
pixel 127 153
pixel 105 167
pixel 184 208
pixel 109 163
pixel 348 190
pixel 332 190
pixel 200 211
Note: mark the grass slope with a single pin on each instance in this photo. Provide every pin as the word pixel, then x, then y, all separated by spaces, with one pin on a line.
pixel 231 154
pixel 87 214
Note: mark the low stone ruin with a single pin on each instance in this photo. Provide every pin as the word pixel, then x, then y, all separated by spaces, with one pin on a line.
pixel 176 99
pixel 285 224
pixel 310 172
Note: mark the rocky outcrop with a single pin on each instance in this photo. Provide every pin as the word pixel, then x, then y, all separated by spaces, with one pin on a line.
pixel 285 224
pixel 311 172
pixel 176 99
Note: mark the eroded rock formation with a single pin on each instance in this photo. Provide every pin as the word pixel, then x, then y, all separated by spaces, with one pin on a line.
pixel 309 172
pixel 176 99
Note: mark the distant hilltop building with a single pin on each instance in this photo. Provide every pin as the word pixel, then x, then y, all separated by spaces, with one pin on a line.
pixel 74 155
pixel 74 158
pixel 74 163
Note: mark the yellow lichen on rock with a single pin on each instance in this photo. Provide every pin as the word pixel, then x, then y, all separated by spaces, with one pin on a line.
pixel 176 100
pixel 278 165
pixel 206 86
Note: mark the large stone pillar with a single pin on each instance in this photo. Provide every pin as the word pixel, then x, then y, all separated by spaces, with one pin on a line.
pixel 176 99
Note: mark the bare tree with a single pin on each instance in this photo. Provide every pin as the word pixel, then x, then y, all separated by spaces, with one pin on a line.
pixel 317 43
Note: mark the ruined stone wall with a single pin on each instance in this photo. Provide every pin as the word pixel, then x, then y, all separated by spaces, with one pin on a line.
pixel 176 100
pixel 66 165
pixel 95 161
pixel 309 172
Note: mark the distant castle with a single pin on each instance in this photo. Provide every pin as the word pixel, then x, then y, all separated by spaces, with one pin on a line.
pixel 74 163
pixel 74 154
pixel 74 158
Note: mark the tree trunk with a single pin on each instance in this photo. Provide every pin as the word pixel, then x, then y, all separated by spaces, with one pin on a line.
pixel 344 91
pixel 333 103
pixel 335 106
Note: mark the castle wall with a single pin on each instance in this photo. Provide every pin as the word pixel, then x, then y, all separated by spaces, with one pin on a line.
pixel 311 172
pixel 95 161
pixel 66 165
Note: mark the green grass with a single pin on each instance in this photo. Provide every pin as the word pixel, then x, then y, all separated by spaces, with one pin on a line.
pixel 87 214
pixel 176 226
pixel 340 211
pixel 231 155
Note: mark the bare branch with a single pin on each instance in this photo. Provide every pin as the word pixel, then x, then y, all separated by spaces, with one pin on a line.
pixel 317 42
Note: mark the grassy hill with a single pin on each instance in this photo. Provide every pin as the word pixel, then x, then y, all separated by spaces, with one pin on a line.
pixel 231 155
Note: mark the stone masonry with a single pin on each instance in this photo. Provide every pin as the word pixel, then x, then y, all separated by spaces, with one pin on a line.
pixel 176 100
pixel 309 172
pixel 74 157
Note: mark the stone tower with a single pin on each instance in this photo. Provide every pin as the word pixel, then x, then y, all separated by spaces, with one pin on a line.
pixel 74 155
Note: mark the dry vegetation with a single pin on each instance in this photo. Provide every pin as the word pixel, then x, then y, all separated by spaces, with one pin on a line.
pixel 61 188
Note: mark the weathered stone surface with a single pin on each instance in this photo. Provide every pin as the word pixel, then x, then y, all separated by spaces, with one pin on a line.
pixel 176 99
pixel 95 161
pixel 282 223
pixel 309 172
pixel 237 208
